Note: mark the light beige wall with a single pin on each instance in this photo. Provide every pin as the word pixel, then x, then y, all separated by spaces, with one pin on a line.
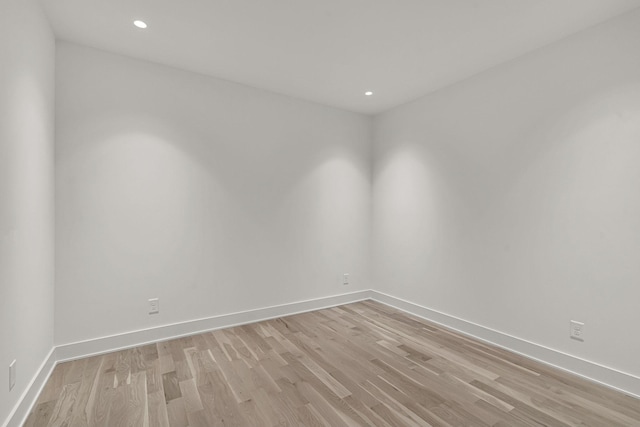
pixel 26 195
pixel 212 196
pixel 511 199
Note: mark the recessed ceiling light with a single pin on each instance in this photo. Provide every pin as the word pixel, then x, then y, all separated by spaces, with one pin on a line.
pixel 140 24
pixel 368 93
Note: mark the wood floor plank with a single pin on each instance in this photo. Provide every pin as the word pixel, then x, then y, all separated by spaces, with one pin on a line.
pixel 86 391
pixel 176 413
pixel 362 364
pixel 171 386
pixel 158 415
pixel 63 412
pixel 129 407
pixel 100 400
pixel 41 414
pixel 309 416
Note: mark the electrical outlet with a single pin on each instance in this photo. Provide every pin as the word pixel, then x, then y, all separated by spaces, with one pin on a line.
pixel 576 330
pixel 345 279
pixel 12 375
pixel 154 306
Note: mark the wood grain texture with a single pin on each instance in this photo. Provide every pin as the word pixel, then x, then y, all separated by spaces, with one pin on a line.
pixel 361 364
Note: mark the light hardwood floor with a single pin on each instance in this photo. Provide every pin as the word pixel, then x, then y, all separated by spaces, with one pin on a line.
pixel 358 364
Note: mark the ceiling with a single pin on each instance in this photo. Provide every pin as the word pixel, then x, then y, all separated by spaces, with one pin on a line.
pixel 330 51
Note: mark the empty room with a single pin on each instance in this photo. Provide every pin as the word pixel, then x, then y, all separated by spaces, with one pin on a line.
pixel 319 213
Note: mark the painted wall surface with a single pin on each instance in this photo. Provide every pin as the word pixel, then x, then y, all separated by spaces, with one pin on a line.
pixel 27 52
pixel 214 197
pixel 512 199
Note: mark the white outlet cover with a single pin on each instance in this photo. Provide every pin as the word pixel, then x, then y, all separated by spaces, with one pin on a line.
pixel 576 330
pixel 154 306
pixel 345 279
pixel 12 375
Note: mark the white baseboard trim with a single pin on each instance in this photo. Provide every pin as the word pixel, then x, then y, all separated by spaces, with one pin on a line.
pixel 621 381
pixel 125 340
pixel 18 416
pixel 612 378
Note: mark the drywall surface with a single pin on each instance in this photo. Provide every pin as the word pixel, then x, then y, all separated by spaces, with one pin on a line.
pixel 214 197
pixel 512 199
pixel 27 52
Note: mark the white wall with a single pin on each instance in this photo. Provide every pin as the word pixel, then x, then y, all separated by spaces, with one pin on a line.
pixel 512 199
pixel 212 196
pixel 26 194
